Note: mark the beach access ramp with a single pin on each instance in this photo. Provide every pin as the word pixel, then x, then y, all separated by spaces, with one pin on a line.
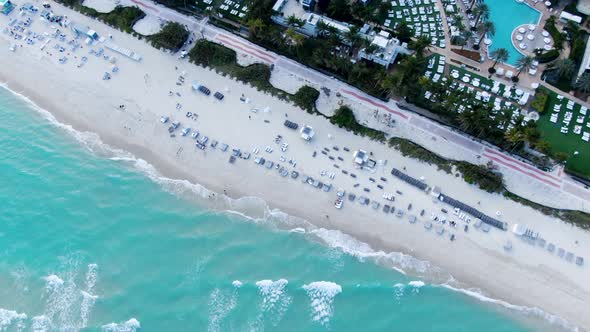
pixel 124 51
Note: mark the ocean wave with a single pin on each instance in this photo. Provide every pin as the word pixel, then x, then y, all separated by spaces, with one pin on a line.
pixel 416 283
pixel 528 311
pixel 237 283
pixel 322 294
pixel 129 326
pixel 11 318
pixel 246 206
pixel 91 277
pixel 53 281
pixel 221 303
pixel 395 260
pixel 40 324
pixel 274 303
pixel 250 207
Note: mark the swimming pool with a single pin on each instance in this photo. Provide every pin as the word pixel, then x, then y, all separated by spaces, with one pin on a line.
pixel 507 15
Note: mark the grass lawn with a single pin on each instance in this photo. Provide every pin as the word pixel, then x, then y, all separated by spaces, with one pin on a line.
pixel 570 142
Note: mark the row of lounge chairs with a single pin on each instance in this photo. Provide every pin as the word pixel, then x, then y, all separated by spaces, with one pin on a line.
pixel 408 179
pixel 474 212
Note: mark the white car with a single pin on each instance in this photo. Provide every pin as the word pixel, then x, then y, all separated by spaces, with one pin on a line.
pixel 338 203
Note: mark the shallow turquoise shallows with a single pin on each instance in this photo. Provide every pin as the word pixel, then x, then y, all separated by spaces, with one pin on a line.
pixel 507 15
pixel 89 243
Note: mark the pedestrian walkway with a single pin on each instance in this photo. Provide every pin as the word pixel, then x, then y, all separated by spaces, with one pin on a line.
pixel 445 134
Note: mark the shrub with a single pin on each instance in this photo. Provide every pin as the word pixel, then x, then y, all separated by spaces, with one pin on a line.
pixel 539 104
pixel 122 18
pixel 206 53
pixel 171 37
pixel 547 56
pixel 344 118
pixel 306 98
pixel 484 178
pixel 413 150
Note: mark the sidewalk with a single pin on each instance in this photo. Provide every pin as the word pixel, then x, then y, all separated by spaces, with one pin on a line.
pixel 517 173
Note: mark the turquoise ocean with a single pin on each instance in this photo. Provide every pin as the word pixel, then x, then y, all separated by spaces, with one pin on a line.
pixel 90 242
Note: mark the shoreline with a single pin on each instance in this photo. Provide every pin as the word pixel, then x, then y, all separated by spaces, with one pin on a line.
pixel 90 105
pixel 375 255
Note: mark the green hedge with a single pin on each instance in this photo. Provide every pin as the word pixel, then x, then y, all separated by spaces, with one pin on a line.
pixel 121 18
pixel 344 118
pixel 539 104
pixel 547 56
pixel 413 150
pixel 171 37
pixel 306 98
pixel 480 175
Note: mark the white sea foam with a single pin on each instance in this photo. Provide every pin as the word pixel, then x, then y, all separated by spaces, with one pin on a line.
pixel 322 294
pixel 11 318
pixel 86 305
pixel 53 281
pixel 298 230
pixel 274 303
pixel 221 303
pixel 398 291
pixel 129 326
pixel 88 299
pixel 237 283
pixel 362 251
pixel 332 238
pixel 416 283
pixel 40 324
pixel 529 311
pixel 91 277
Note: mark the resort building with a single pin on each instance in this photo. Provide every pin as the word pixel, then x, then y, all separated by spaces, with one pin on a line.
pixel 565 16
pixel 383 50
pixel 585 65
pixel 6 6
pixel 285 8
pixel 308 4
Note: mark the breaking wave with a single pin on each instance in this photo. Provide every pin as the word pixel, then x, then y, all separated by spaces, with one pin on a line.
pixel 322 294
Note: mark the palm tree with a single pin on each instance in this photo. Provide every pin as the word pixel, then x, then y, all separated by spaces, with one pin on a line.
pixel 471 5
pixel 482 11
pixel 321 28
pixel 293 21
pixel 294 38
pixel 583 83
pixel 467 35
pixel 514 136
pixel 486 28
pixel 524 63
pixel 420 45
pixel 499 55
pixel 353 37
pixel 255 26
pixel 564 68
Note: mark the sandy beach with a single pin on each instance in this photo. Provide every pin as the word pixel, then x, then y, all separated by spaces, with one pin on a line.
pixel 125 112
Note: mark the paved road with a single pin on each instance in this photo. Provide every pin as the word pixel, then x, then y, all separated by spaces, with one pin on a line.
pixel 507 163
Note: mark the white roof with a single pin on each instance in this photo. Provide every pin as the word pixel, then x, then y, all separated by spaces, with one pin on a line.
pixel 570 17
pixel 384 33
pixel 278 5
pixel 380 41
